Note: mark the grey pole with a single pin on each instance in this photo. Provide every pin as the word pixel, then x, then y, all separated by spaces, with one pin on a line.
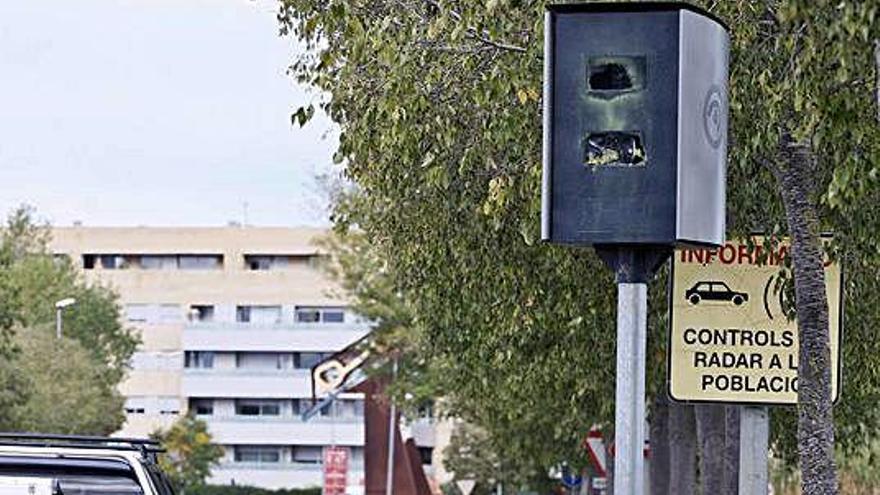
pixel 389 475
pixel 629 413
pixel 58 323
pixel 754 435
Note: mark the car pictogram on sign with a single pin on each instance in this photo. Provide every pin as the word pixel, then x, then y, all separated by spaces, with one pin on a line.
pixel 714 290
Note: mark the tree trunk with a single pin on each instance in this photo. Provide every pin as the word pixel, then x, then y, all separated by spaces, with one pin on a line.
pixel 731 450
pixel 659 439
pixel 815 417
pixel 682 450
pixel 877 76
pixel 711 420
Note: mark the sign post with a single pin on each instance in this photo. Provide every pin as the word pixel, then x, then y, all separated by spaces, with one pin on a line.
pixel 632 309
pixel 635 147
pixel 754 442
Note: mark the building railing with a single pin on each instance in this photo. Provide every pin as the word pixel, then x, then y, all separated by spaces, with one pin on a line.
pixel 281 326
pixel 230 372
pixel 280 419
pixel 355 470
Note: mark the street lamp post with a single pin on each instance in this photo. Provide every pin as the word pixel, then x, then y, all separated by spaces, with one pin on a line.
pixel 59 307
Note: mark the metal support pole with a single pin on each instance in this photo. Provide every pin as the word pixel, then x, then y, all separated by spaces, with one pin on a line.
pixel 754 437
pixel 58 323
pixel 392 427
pixel 629 414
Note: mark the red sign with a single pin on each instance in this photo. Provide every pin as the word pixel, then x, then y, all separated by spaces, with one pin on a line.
pixel 335 470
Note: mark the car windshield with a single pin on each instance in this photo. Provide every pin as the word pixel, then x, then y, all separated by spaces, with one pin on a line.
pixel 51 484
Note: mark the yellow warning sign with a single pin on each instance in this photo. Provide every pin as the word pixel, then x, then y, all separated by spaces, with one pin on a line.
pixel 733 336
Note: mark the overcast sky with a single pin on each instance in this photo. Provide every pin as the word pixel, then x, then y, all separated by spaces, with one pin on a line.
pixel 155 112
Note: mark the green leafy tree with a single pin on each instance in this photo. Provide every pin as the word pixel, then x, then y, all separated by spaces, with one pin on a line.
pixel 39 279
pixel 31 280
pixel 61 385
pixel 18 237
pixel 470 456
pixel 189 454
pixel 439 106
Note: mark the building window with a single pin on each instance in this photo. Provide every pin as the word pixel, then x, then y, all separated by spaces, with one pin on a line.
pixel 198 359
pixel 114 262
pixel 307 260
pixel 258 262
pixel 265 262
pixel 304 405
pixel 202 407
pixel 88 261
pixel 168 405
pixel 200 262
pixel 426 453
pixel 333 316
pixel 308 454
pixel 110 262
pixel 158 262
pixel 257 454
pixel 135 405
pixel 308 360
pixel 266 315
pixel 248 407
pixel 105 261
pixel 425 410
pixel 307 315
pixel 356 461
pixel 319 314
pixel 201 312
pixel 263 360
pixel 350 408
pixel 153 261
pixel 243 314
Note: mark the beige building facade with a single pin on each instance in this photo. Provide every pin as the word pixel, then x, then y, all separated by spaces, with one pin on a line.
pixel 231 320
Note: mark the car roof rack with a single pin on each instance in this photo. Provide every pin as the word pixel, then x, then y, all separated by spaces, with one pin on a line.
pixel 144 445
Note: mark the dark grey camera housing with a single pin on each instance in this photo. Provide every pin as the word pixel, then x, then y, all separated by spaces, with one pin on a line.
pixel 635 125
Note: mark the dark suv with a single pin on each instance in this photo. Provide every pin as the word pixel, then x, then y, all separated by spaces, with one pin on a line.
pixel 37 464
pixel 714 290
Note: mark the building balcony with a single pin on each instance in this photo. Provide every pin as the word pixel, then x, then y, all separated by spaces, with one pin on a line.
pixel 251 337
pixel 280 475
pixel 262 430
pixel 233 383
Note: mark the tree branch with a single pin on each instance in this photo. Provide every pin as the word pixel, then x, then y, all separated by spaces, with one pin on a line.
pixel 482 37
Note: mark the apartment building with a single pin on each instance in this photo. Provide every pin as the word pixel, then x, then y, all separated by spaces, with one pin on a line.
pixel 231 320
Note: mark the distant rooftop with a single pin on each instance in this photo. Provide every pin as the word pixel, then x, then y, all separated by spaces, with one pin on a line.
pixel 158 240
